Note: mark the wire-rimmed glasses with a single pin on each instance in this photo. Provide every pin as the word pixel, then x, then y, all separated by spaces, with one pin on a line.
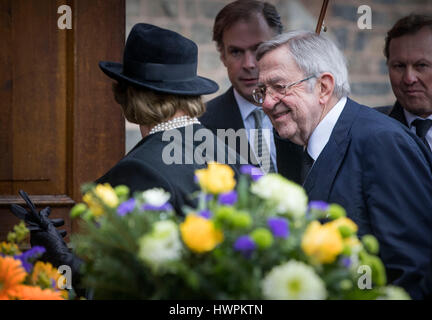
pixel 275 90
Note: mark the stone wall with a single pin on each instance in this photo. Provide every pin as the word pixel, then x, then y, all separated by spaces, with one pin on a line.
pixel 362 48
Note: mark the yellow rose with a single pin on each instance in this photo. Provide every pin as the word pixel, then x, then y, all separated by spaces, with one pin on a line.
pixel 216 178
pixel 200 234
pixel 104 193
pixel 322 242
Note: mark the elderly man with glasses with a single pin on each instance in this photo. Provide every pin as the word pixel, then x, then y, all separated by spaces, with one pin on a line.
pixel 378 170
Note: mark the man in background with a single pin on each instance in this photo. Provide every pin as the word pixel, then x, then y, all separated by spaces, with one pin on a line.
pixel 239 28
pixel 408 49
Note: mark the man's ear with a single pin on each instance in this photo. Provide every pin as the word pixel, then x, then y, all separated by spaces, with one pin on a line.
pixel 326 84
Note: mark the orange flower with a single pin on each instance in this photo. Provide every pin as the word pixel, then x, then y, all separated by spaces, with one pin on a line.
pixel 43 276
pixel 12 275
pixel 23 292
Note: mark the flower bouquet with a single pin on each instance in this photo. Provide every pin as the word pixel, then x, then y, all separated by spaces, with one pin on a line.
pixel 22 276
pixel 257 238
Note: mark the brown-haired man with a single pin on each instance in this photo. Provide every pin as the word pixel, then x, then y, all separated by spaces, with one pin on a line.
pixel 408 49
pixel 239 28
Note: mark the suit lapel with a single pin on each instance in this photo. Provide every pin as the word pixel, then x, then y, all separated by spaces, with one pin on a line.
pixel 230 116
pixel 398 114
pixel 325 168
pixel 288 158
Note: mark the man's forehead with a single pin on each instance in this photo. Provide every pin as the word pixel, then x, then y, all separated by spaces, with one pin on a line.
pixel 244 45
pixel 419 43
pixel 280 74
pixel 277 63
pixel 247 33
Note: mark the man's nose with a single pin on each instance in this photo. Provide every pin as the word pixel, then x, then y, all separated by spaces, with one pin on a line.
pixel 268 103
pixel 409 75
pixel 249 61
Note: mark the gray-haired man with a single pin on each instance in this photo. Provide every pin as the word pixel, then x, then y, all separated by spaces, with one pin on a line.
pixel 303 88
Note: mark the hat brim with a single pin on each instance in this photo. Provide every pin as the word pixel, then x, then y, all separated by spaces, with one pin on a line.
pixel 191 87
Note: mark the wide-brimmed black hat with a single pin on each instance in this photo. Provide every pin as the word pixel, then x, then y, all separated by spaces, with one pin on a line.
pixel 161 60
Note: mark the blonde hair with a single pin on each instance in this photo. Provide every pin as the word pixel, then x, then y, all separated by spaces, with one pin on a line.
pixel 147 107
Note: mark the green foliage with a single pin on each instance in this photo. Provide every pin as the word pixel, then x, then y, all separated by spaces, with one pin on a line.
pixel 370 243
pixel 262 237
pixel 19 233
pixel 336 211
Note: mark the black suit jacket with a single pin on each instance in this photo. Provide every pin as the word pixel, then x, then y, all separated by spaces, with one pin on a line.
pixel 148 164
pixel 381 173
pixel 395 112
pixel 223 112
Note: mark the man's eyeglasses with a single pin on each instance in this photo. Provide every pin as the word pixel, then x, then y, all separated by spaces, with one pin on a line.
pixel 276 90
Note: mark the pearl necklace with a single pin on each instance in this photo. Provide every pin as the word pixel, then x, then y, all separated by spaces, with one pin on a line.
pixel 175 123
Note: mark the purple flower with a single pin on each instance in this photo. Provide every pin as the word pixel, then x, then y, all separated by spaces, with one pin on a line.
pixel 318 205
pixel 279 227
pixel 228 198
pixel 126 207
pixel 205 214
pixel 346 262
pixel 251 170
pixel 33 253
pixel 26 265
pixel 164 207
pixel 245 245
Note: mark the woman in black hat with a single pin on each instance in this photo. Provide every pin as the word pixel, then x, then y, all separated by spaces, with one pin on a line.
pixel 158 89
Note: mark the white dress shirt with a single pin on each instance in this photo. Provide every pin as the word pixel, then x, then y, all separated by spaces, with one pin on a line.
pixel 321 135
pixel 246 109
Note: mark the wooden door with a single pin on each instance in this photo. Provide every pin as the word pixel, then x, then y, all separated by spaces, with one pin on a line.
pixel 59 124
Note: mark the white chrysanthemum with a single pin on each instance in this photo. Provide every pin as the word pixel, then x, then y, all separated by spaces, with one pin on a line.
pixel 162 245
pixel 394 293
pixel 293 281
pixel 287 196
pixel 156 197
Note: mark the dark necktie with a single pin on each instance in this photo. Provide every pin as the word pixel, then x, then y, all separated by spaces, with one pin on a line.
pixel 307 163
pixel 261 148
pixel 422 128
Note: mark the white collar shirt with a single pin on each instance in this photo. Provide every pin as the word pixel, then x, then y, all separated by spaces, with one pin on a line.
pixel 246 109
pixel 321 135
